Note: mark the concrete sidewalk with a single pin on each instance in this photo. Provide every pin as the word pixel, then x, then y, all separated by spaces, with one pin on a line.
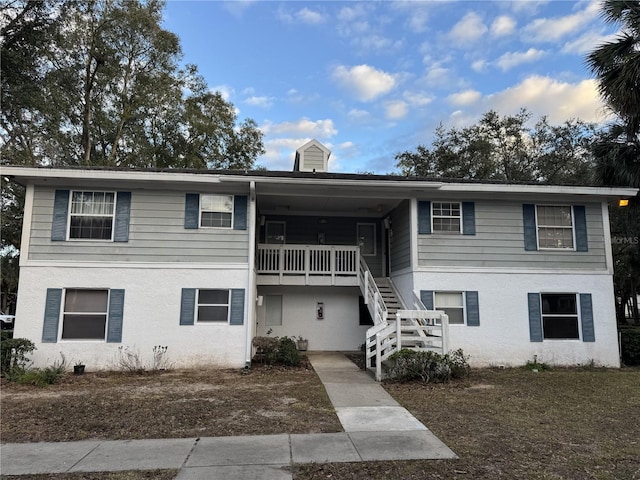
pixel 376 428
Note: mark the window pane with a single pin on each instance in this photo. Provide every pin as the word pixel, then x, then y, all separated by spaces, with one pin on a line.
pixel 76 300
pixel 94 228
pixel 456 315
pixel 560 327
pixel 83 327
pixel 552 216
pixel 273 315
pixel 448 299
pixel 216 219
pixel 564 304
pixel 451 225
pixel 92 203
pixel 212 314
pixel 217 203
pixel 213 297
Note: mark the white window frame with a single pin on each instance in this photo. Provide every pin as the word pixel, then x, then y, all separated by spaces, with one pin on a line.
pixel 374 238
pixel 463 307
pixel 64 313
pixel 198 305
pixel 572 227
pixel 70 215
pixel 433 218
pixel 201 210
pixel 564 315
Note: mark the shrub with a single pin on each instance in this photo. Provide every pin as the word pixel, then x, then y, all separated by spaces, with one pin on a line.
pixel 39 377
pixel 630 345
pixel 408 365
pixel 277 351
pixel 13 354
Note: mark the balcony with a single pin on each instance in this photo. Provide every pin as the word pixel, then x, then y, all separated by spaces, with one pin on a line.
pixel 308 265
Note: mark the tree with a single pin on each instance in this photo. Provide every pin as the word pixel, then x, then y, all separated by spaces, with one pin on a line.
pixel 506 149
pixel 110 91
pixel 616 65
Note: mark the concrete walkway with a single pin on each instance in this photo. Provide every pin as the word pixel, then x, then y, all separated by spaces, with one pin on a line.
pixel 376 428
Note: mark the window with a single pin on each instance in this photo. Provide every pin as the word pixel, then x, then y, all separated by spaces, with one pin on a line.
pixel 91 215
pixel 85 314
pixel 555 226
pixel 446 217
pixel 213 305
pixel 452 304
pixel 216 211
pixel 273 313
pixel 559 316
pixel 367 238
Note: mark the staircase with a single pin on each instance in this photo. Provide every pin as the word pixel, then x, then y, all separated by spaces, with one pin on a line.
pixel 395 327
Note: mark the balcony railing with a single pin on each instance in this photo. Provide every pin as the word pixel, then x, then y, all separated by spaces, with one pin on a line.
pixel 309 264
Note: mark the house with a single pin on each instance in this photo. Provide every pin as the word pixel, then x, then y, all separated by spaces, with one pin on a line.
pixel 203 261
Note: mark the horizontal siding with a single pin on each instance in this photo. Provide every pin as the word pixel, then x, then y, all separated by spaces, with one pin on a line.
pixel 156 234
pixel 499 243
pixel 401 239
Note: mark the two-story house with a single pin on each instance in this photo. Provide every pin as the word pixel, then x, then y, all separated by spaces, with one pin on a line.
pixel 203 261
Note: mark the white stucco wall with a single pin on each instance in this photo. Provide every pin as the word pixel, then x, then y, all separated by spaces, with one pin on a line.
pixel 151 315
pixel 503 335
pixel 339 330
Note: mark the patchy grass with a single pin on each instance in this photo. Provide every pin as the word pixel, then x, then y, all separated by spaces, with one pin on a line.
pixel 172 404
pixel 558 424
pixel 127 475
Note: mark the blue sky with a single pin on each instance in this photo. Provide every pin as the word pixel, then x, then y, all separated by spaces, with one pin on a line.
pixel 373 79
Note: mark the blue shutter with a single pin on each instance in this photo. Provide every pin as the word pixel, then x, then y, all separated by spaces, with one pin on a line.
pixel 580 221
pixel 60 211
pixel 123 212
pixel 240 212
pixel 535 318
pixel 530 230
pixel 424 217
pixel 188 306
pixel 116 314
pixel 426 297
pixel 468 218
pixel 586 316
pixel 51 315
pixel 473 309
pixel 192 211
pixel 237 306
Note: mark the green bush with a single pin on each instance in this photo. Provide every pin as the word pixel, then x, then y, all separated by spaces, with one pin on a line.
pixel 630 345
pixel 277 351
pixel 38 377
pixel 13 354
pixel 409 365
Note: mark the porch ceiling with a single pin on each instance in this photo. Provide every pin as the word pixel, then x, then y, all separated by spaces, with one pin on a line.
pixel 327 202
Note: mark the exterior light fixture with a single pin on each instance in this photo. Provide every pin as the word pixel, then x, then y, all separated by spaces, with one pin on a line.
pixel 623 202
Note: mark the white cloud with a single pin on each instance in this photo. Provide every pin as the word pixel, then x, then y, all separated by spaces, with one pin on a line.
pixel 586 43
pixel 418 20
pixel 468 97
pixel 553 29
pixel 257 101
pixel 511 59
pixel 364 82
pixel 225 90
pixel 469 29
pixel 502 26
pixel 479 65
pixel 301 127
pixel 395 110
pixel 304 15
pixel 438 75
pixel 558 100
pixel 359 116
pixel 417 99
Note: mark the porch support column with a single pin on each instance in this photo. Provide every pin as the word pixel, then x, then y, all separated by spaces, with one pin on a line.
pixel 251 297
